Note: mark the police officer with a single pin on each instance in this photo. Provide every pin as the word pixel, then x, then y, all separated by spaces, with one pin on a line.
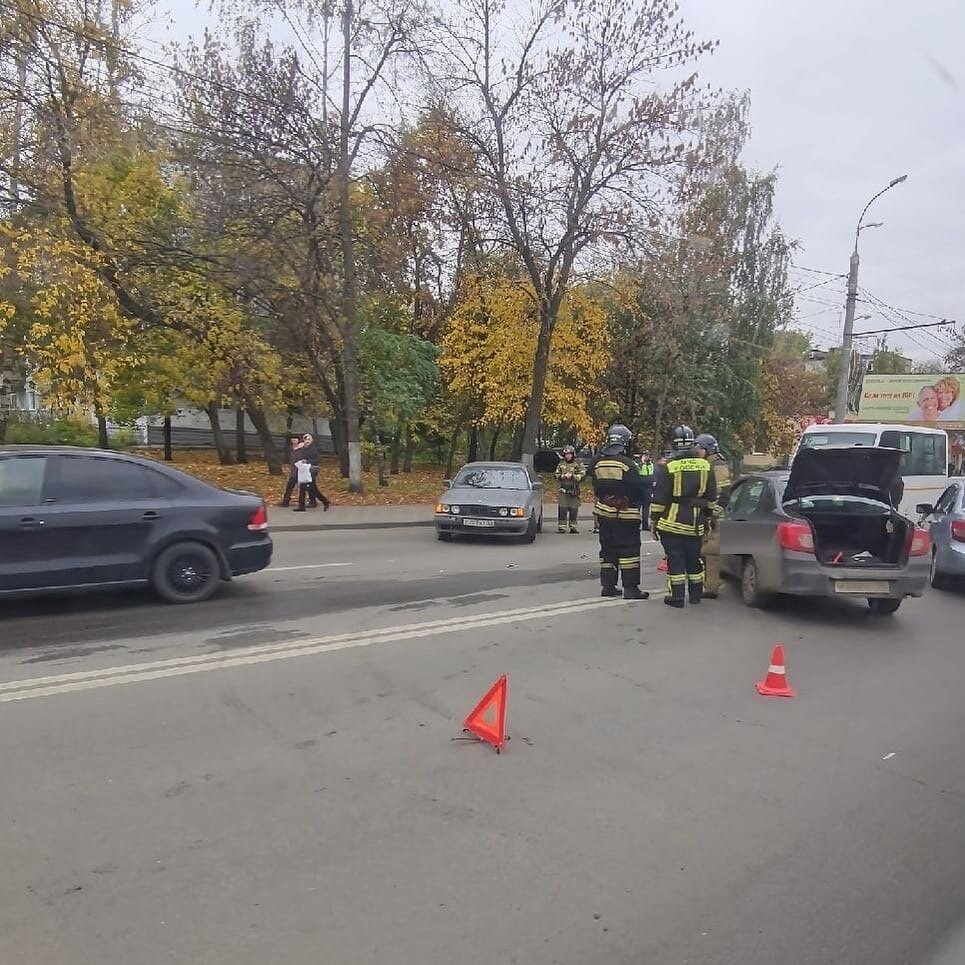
pixel 683 492
pixel 617 485
pixel 646 471
pixel 569 475
pixel 708 448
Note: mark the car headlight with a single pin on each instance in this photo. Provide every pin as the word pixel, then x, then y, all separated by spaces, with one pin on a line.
pixel 518 511
pixel 504 511
pixel 442 507
pixel 455 509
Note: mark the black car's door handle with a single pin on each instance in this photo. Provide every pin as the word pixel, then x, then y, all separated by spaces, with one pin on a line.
pixel 150 514
pixel 30 522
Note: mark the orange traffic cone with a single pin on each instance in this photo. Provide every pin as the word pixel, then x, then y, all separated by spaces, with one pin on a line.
pixel 775 683
pixel 478 722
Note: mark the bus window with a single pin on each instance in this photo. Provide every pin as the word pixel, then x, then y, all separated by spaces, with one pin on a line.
pixel 923 453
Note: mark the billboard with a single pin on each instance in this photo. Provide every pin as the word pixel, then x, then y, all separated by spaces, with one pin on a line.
pixel 927 399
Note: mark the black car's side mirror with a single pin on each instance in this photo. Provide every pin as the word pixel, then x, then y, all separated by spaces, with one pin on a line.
pixel 924 509
pixel 447 483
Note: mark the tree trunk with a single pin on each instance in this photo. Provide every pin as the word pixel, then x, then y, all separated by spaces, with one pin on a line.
pixel 492 443
pixel 3 428
pixel 534 407
pixel 337 424
pixel 409 449
pixel 258 420
pixel 473 454
pixel 397 449
pixel 456 433
pixel 518 442
pixel 103 442
pixel 220 443
pixel 350 362
pixel 241 444
pixel 166 432
pixel 379 450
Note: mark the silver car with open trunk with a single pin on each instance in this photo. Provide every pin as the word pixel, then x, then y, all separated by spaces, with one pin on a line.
pixel 828 527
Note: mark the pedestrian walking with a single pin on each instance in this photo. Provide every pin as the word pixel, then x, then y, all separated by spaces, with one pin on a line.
pixel 617 487
pixel 303 468
pixel 295 444
pixel 569 475
pixel 312 455
pixel 683 493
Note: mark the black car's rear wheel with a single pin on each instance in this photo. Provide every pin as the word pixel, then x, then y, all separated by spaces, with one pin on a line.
pixel 883 608
pixel 186 573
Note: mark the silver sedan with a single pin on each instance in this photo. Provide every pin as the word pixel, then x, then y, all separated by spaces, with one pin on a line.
pixel 491 499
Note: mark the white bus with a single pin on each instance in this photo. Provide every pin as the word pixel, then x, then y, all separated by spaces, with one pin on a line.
pixel 924 465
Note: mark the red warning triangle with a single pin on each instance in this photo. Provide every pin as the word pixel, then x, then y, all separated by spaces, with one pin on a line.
pixel 488 718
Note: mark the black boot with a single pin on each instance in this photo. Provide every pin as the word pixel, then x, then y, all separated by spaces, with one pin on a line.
pixel 635 593
pixel 676 604
pixel 608 580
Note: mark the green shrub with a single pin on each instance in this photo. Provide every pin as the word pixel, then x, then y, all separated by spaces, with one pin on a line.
pixel 56 433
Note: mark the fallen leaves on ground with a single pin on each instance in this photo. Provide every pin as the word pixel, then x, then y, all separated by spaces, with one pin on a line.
pixel 422 486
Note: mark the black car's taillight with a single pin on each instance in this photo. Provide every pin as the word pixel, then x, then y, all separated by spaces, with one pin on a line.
pixel 259 519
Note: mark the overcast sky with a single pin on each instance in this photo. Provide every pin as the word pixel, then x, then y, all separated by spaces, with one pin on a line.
pixel 846 95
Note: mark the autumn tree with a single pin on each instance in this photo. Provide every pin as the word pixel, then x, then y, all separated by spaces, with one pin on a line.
pixel 488 354
pixel 574 111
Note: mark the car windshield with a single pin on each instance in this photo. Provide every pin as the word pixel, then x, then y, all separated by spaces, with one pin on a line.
pixel 492 479
pixel 819 440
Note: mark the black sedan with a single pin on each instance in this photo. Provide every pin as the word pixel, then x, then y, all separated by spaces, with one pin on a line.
pixel 74 519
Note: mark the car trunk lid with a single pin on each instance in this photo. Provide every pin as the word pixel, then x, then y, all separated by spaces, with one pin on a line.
pixel 870 473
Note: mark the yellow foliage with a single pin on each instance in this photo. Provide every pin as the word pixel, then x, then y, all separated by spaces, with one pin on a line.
pixel 488 355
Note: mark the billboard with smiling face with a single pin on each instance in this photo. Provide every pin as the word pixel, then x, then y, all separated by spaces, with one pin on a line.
pixel 934 399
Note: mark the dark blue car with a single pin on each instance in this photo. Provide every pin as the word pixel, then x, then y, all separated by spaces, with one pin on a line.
pixel 74 519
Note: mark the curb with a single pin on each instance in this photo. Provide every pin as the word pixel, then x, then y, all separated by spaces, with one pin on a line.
pixel 321 527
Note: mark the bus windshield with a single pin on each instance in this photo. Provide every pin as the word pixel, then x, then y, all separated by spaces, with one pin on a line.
pixel 818 440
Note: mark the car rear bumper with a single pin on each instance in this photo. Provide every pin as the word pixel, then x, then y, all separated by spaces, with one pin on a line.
pixel 808 577
pixel 490 526
pixel 250 557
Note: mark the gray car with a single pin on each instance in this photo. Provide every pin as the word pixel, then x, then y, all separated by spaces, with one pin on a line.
pixel 491 499
pixel 826 528
pixel 945 522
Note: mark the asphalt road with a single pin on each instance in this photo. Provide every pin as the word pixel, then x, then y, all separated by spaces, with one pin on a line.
pixel 270 777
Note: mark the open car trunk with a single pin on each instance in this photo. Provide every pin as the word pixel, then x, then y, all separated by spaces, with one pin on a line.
pixel 856 535
pixel 847 494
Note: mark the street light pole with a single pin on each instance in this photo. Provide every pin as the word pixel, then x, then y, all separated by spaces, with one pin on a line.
pixel 841 402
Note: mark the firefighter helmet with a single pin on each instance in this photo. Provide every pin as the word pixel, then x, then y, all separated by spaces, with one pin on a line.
pixel 682 438
pixel 619 439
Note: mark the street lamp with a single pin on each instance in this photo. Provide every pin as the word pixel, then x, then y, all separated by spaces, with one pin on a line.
pixel 841 402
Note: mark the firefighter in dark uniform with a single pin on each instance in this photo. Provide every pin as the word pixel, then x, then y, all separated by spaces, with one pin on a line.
pixel 646 471
pixel 618 487
pixel 707 446
pixel 683 493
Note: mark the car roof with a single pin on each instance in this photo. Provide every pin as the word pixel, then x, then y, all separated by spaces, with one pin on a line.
pixel 494 465
pixel 23 448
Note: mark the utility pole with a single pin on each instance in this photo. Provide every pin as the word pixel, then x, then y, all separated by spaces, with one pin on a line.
pixel 841 402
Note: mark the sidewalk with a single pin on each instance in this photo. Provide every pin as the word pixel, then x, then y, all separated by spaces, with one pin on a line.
pixel 349 517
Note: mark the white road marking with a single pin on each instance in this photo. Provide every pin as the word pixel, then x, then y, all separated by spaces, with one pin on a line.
pixel 176 667
pixel 888 757
pixel 303 566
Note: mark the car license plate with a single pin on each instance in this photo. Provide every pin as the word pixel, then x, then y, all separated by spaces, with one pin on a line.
pixel 479 522
pixel 862 587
